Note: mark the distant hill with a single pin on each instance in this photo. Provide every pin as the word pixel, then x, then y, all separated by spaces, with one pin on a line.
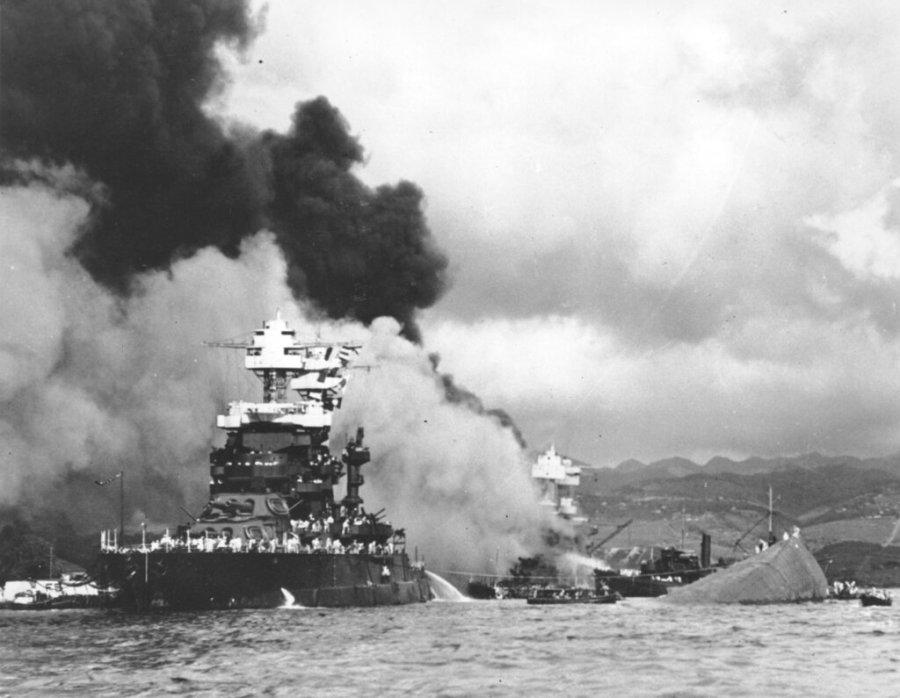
pixel 824 495
pixel 634 472
pixel 866 563
pixel 631 472
pixel 809 461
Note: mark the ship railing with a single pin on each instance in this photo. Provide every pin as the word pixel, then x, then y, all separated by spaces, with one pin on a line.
pixel 109 543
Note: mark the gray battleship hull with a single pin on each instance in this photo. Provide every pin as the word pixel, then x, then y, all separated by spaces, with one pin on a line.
pixel 193 580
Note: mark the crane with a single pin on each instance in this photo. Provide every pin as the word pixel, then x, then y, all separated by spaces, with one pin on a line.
pixel 621 527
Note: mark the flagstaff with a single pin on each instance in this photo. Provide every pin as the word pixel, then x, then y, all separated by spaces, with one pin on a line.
pixel 108 481
pixel 122 506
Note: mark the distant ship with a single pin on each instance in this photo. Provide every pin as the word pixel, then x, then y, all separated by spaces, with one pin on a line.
pixel 71 590
pixel 673 568
pixel 557 477
pixel 272 529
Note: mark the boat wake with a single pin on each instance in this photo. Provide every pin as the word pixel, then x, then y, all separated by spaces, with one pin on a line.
pixel 444 590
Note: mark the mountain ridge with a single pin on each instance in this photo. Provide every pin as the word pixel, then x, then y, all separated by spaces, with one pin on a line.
pixel 809 489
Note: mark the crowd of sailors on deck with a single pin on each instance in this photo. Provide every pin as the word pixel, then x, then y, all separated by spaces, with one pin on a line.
pixel 845 590
pixel 288 543
pixel 764 544
pixel 316 525
pixel 312 534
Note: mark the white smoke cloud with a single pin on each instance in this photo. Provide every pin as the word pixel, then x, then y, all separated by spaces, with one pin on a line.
pixel 92 383
pixel 457 481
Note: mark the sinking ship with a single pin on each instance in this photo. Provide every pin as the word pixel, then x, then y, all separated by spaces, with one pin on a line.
pixel 784 572
pixel 272 530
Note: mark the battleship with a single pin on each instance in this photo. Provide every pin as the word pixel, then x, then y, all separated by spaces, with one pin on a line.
pixel 272 531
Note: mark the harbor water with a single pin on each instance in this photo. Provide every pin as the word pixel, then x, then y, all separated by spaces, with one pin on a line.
pixel 634 648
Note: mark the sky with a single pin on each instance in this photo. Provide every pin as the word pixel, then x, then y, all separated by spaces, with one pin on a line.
pixel 672 228
pixel 666 230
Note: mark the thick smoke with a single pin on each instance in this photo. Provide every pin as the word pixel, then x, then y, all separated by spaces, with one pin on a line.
pixel 457 481
pixel 359 253
pixel 456 393
pixel 91 383
pixel 131 235
pixel 118 89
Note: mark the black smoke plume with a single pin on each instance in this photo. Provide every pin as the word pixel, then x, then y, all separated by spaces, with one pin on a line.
pixel 359 253
pixel 458 395
pixel 102 105
pixel 117 89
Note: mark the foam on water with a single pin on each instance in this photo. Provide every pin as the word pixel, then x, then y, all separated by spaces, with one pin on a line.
pixel 289 600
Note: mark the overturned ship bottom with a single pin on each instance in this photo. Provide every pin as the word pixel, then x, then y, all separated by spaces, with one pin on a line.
pixel 191 580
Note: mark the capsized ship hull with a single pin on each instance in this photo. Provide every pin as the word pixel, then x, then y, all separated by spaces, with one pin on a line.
pixel 195 580
pixel 786 572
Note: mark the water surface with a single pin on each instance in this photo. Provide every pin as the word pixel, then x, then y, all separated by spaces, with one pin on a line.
pixel 637 647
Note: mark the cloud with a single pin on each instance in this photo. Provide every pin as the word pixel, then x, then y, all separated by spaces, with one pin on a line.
pixel 860 239
pixel 765 387
pixel 698 198
pixel 671 229
pixel 652 174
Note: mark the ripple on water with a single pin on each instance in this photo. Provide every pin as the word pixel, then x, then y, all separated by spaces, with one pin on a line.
pixel 638 647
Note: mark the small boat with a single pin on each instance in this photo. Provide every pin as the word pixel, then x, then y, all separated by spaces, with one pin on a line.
pixel 71 590
pixel 876 597
pixel 28 600
pixel 844 591
pixel 552 596
pixel 37 601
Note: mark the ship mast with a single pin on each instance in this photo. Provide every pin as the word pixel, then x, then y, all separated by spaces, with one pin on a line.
pixel 316 371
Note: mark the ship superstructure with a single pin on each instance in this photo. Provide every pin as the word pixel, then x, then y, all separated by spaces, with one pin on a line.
pixel 276 456
pixel 272 527
pixel 557 479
